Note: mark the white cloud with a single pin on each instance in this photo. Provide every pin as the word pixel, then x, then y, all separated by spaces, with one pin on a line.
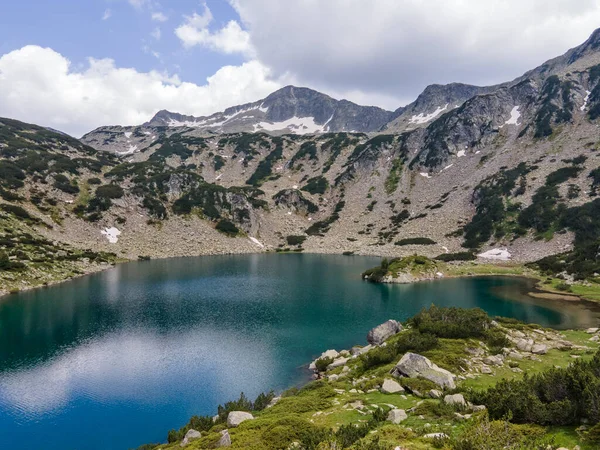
pixel 397 47
pixel 231 38
pixel 137 3
pixel 39 85
pixel 156 33
pixel 107 14
pixel 159 17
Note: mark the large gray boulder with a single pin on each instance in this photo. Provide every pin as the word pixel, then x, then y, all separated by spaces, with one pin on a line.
pixel 225 440
pixel 413 366
pixel 391 387
pixel 379 334
pixel 456 399
pixel 190 436
pixel 235 418
pixel 396 416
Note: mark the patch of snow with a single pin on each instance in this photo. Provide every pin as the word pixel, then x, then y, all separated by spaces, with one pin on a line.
pixel 295 186
pixel 515 115
pixel 296 125
pixel 478 152
pixel 147 133
pixel 289 213
pixel 218 177
pixel 309 219
pixel 446 250
pixel 132 149
pixel 69 202
pixel 257 242
pixel 500 254
pixel 112 234
pixel 425 174
pixel 447 167
pixel 461 153
pixel 128 134
pixel 585 100
pixel 422 118
pixel 262 109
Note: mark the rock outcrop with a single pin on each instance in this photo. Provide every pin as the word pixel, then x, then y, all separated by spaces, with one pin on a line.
pixel 396 416
pixel 413 365
pixel 235 418
pixel 381 333
pixel 391 387
pixel 190 436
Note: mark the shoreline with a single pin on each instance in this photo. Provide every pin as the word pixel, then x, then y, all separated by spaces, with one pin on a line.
pixel 544 293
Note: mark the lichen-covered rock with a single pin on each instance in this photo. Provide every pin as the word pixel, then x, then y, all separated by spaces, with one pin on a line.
pixel 396 416
pixel 225 440
pixel 235 418
pixel 379 334
pixel 190 436
pixel 391 387
pixel 456 399
pixel 413 365
pixel 539 349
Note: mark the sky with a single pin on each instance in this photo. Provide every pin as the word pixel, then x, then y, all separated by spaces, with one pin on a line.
pixel 76 65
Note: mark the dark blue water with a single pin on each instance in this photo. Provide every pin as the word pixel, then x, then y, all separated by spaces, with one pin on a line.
pixel 116 359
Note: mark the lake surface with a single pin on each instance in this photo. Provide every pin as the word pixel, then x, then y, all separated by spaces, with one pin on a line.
pixel 116 359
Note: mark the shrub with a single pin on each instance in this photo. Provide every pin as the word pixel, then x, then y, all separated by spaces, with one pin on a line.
pixel 453 323
pixel 227 227
pixel 109 191
pixel 416 241
pixel 460 256
pixel 316 185
pixel 323 363
pixel 295 240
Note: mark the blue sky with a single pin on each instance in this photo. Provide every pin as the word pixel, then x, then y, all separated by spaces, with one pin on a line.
pixel 76 29
pixel 75 65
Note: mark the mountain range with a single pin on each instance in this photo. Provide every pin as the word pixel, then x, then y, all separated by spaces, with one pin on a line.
pixel 470 170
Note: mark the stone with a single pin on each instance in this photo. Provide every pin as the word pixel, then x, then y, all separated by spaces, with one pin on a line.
pixel 515 355
pixel 235 418
pixel 525 345
pixel 225 440
pixel 475 351
pixel 333 377
pixel 455 399
pixel 592 330
pixel 493 360
pixel 486 369
pixel 539 349
pixel 396 416
pixel 477 408
pixel 391 387
pixel 273 402
pixel 413 365
pixel 436 436
pixel 190 436
pixel 379 334
pixel 337 363
pixel 434 393
pixel 595 338
pixel 460 416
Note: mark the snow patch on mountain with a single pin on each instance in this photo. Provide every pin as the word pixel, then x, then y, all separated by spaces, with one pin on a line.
pixel 515 115
pixel 585 100
pixel 296 125
pixel 422 118
pixel 112 234
pixel 499 254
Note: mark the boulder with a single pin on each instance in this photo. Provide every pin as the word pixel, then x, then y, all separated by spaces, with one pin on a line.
pixel 190 436
pixel 434 393
pixel 356 351
pixel 525 345
pixel 396 416
pixel 382 332
pixel 477 408
pixel 486 370
pixel 456 399
pixel 436 436
pixel 391 387
pixel 413 365
pixel 592 330
pixel 493 360
pixel 225 440
pixel 235 418
pixel 539 349
pixel 337 363
pixel 329 354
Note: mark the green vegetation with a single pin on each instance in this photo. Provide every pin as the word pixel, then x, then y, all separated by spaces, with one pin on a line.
pixel 346 409
pixel 391 182
pixel 460 256
pixel 323 226
pixel 264 170
pixel 316 185
pixel 415 241
pixel 227 227
pixel 295 240
pixel 553 92
pixel 415 265
pixel 307 149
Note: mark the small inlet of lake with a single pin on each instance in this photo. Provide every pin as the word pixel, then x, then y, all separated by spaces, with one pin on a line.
pixel 116 359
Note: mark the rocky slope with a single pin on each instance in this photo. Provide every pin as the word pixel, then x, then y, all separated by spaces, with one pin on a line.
pixel 507 169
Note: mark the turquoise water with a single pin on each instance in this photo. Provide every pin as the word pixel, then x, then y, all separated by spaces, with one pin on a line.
pixel 116 359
